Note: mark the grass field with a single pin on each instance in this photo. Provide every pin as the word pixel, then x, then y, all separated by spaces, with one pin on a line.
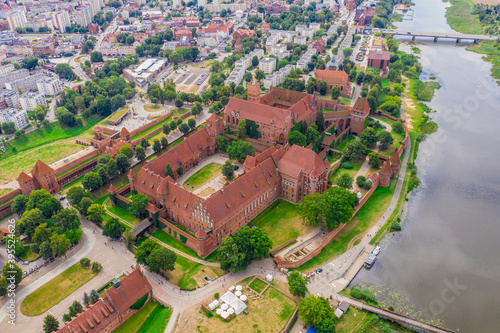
pixel 56 290
pixel 4 191
pixel 202 176
pixel 425 90
pixel 352 172
pixel 153 317
pixel 152 108
pixel 264 315
pixel 282 222
pixel 29 255
pixel 341 146
pixel 122 213
pixel 461 19
pixel 366 217
pixel 258 285
pixel 151 129
pixel 188 275
pixel 491 54
pixel 169 240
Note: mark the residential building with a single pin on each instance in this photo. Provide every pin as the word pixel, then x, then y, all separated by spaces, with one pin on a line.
pixel 267 65
pixel 12 76
pixel 11 98
pixel 30 100
pixel 43 48
pixel 6 69
pixel 379 59
pixel 334 78
pixel 16 19
pixel 183 33
pixel 60 20
pixel 242 34
pixel 25 84
pixel 16 116
pixel 49 86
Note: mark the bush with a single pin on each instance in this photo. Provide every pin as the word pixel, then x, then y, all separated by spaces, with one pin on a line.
pixel 396 226
pixel 347 165
pixel 139 302
pixel 216 295
pixel 85 262
pixel 363 294
pixel 96 267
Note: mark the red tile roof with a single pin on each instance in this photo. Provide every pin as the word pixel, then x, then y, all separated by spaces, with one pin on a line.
pixel 41 169
pixel 379 55
pixel 23 178
pixel 299 159
pixel 261 114
pixel 386 169
pixel 394 159
pixel 332 77
pixel 361 105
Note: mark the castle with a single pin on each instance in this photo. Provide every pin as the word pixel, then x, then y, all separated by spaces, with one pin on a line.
pixel 289 173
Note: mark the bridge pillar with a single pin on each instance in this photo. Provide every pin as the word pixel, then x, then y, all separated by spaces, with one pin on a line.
pixel 435 39
pixel 413 38
pixel 459 40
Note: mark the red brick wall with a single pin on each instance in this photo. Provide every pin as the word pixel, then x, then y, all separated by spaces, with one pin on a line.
pixel 5 209
pixel 151 123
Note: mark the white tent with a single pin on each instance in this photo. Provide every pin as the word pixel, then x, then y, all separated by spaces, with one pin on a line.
pixel 219 311
pixel 234 302
pixel 238 293
pixel 224 314
pixel 232 288
pixel 243 298
pixel 239 287
pixel 224 306
pixel 269 277
pixel 230 311
pixel 338 313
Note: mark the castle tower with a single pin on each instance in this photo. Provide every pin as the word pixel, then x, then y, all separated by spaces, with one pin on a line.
pixel 26 183
pixel 125 134
pixel 395 163
pixel 385 174
pixel 45 176
pixel 253 93
pixel 131 178
pixel 215 126
pixel 162 191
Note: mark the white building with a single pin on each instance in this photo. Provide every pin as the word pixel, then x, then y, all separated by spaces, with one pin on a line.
pixel 146 71
pixel 12 76
pixel 315 26
pixel 267 65
pixel 6 69
pixel 16 116
pixel 49 86
pixel 25 84
pixel 309 33
pixel 30 100
pixel 16 20
pixel 300 40
pixel 60 20
pixel 11 98
pixel 241 66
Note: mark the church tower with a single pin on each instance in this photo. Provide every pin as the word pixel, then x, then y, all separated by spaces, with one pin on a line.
pixel 253 93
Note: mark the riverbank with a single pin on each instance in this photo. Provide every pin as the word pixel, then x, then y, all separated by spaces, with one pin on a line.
pixel 491 55
pixel 460 17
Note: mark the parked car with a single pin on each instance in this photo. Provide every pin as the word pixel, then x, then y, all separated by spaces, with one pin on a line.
pixel 319 270
pixel 26 262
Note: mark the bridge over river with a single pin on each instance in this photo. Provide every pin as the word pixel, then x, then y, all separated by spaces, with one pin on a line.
pixel 438 35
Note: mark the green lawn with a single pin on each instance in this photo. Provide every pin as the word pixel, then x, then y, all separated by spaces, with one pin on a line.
pixel 425 90
pixel 50 133
pixel 76 166
pixel 341 146
pixel 169 240
pixel 352 172
pixel 151 129
pixel 153 317
pixel 492 55
pixel 29 255
pixel 366 217
pixel 202 176
pixel 258 285
pixel 122 213
pixel 188 275
pixel 57 289
pixel 461 19
pixel 152 108
pixel 282 222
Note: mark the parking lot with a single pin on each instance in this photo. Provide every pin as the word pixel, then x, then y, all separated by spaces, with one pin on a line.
pixel 190 80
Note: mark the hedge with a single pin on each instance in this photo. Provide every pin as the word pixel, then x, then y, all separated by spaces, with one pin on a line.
pixel 139 302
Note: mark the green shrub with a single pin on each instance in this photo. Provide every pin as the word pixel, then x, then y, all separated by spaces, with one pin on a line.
pixel 139 302
pixel 183 239
pixel 216 295
pixel 347 165
pixel 396 226
pixel 85 262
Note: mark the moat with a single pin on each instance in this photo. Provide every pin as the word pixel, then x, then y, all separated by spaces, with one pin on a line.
pixel 444 265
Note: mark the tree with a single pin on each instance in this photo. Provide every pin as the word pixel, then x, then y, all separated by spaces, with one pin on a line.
pixel 30 62
pixel 122 163
pixel 259 75
pixel 322 87
pixel 91 181
pixel 345 180
pixel 94 296
pixel 228 170
pixel 347 52
pixel 67 219
pixel 113 228
pixel 335 92
pixel 297 284
pixel 13 273
pixel 42 234
pixel 86 299
pixel 397 127
pixel 368 137
pixel 85 262
pixel 247 77
pixel 95 213
pixel 314 309
pixel 65 71
pixel 59 244
pixel 44 201
pixel 184 128
pixel 222 143
pixel 297 138
pixel 140 153
pixel 50 324
pixel 156 145
pixel 138 205
pixel 238 150
pixel 30 221
pixel 312 135
pixel 192 123
pixel 354 151
pixel 97 267
pixel 45 250
pixel 77 307
pixel 19 204
pixel 326 326
pixel 255 61
pixel 320 121
pixel 230 257
pixel 374 159
pixel 144 250
pixel 385 139
pixel 96 56
pixel 84 205
pixel 127 151
pixel 129 239
pixel 241 129
pixel 169 171
pixel 144 143
pixel 161 259
pixel 179 103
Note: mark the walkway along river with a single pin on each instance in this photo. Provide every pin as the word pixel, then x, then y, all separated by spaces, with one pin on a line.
pixel 445 264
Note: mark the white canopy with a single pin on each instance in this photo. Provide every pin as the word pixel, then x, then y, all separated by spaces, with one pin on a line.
pixel 224 314
pixel 230 311
pixel 239 287
pixel 219 311
pixel 269 277
pixel 231 288
pixel 243 298
pixel 237 293
pixel 224 306
pixel 234 302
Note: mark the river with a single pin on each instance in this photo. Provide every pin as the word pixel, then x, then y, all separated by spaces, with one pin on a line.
pixel 445 263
